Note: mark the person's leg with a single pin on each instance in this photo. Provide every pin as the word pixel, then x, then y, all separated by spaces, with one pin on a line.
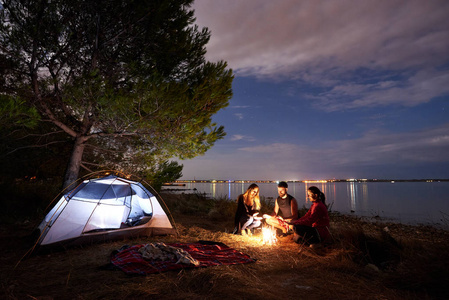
pixel 239 227
pixel 254 224
pixel 275 222
pixel 306 235
pixel 246 222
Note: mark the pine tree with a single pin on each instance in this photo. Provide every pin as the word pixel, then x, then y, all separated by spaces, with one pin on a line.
pixel 127 80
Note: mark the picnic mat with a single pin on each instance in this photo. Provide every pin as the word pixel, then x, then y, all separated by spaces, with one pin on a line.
pixel 130 260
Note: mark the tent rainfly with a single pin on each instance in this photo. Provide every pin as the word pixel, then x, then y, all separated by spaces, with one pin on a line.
pixel 104 209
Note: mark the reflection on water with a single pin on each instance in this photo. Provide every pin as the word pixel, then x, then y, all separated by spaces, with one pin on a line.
pixel 364 198
pixel 352 195
pixel 407 202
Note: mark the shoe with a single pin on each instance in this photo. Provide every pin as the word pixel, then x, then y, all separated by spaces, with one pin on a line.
pixel 243 233
pixel 296 238
pixel 248 232
pixel 315 246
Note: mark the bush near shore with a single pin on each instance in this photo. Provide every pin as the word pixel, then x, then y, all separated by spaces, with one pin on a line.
pixel 370 260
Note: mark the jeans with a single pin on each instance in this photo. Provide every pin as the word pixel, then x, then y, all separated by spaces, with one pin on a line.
pixel 306 234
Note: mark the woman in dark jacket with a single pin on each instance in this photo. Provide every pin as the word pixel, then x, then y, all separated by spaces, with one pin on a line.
pixel 248 207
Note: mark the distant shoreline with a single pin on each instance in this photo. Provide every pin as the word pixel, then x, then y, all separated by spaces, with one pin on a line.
pixel 178 182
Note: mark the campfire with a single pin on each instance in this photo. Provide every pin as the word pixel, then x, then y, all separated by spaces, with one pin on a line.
pixel 269 235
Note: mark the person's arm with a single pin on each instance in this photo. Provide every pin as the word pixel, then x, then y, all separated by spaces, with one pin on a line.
pixel 256 215
pixel 310 217
pixel 276 208
pixel 253 212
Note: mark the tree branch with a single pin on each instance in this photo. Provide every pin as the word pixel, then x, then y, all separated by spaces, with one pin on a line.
pixel 102 149
pixel 34 146
pixel 55 121
pixel 40 135
pixel 86 168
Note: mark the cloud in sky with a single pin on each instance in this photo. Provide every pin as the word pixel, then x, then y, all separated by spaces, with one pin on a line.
pixel 330 89
pixel 239 116
pixel 239 137
pixel 374 147
pixel 286 36
pixel 418 88
pixel 375 151
pixel 325 43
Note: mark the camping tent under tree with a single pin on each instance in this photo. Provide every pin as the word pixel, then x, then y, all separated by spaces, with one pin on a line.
pixel 104 208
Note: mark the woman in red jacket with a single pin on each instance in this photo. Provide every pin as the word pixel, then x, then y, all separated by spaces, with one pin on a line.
pixel 313 227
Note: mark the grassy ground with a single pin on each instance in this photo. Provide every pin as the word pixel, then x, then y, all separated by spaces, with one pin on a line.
pixel 365 261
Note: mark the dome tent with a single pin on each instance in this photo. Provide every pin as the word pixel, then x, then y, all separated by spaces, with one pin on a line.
pixel 105 208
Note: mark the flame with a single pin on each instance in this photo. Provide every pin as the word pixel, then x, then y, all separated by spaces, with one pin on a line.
pixel 269 235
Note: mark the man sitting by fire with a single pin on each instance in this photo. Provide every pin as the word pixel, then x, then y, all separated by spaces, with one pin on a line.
pixel 285 210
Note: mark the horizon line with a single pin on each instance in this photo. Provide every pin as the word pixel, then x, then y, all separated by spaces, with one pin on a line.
pixel 310 180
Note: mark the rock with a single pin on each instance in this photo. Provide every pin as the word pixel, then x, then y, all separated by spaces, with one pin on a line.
pixel 372 268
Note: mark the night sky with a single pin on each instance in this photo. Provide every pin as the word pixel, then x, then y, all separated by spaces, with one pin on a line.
pixel 329 89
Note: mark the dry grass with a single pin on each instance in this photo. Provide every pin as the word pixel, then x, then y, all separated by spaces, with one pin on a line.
pixel 411 263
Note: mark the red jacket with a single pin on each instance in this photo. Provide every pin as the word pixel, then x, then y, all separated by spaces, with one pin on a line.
pixel 317 217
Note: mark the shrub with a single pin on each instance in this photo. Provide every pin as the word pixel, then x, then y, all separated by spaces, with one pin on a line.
pixel 26 200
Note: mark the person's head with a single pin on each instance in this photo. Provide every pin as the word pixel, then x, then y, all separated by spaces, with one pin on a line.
pixel 252 190
pixel 315 194
pixel 282 189
pixel 252 195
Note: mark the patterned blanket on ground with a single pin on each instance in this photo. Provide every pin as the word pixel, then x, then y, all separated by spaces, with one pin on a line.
pixel 131 260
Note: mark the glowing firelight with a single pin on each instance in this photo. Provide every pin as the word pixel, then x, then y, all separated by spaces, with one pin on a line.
pixel 269 235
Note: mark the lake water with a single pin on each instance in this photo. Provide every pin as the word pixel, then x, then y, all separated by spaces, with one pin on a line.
pixel 403 202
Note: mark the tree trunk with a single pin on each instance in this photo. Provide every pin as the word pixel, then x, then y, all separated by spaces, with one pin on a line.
pixel 73 168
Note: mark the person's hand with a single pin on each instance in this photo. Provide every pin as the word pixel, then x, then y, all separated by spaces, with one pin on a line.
pixel 266 216
pixel 255 214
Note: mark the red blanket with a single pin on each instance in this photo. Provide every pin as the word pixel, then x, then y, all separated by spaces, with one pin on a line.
pixel 130 261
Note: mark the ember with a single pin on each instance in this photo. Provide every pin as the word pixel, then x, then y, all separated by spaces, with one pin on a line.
pixel 269 235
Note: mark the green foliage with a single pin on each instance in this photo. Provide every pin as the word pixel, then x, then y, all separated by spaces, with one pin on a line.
pixel 266 206
pixel 165 172
pixel 15 113
pixel 215 209
pixel 224 209
pixel 26 200
pixel 33 152
pixel 189 204
pixel 121 79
